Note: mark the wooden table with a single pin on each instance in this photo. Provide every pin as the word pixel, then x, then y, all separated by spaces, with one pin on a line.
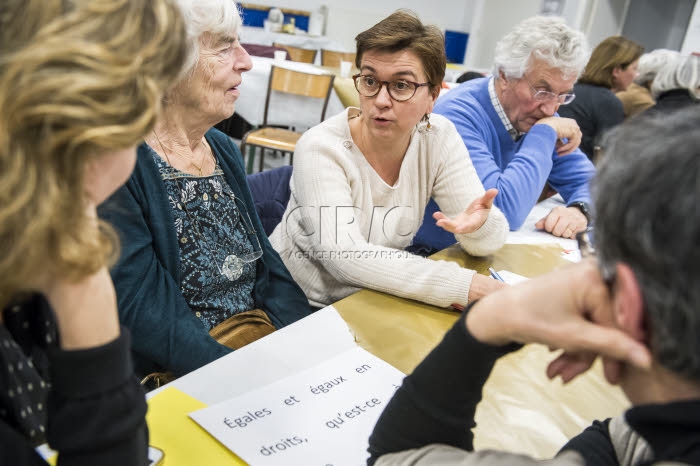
pixel 257 35
pixel 522 411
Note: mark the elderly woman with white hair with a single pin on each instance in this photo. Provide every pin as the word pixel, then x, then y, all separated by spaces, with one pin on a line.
pixel 677 85
pixel 637 97
pixel 197 275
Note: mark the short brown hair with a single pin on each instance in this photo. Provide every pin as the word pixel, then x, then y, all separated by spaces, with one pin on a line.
pixel 612 52
pixel 402 30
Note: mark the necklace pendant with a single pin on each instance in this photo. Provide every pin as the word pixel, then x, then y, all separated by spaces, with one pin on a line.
pixel 232 267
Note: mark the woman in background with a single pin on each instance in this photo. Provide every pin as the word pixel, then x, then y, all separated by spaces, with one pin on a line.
pixel 611 68
pixel 677 85
pixel 80 85
pixel 637 97
pixel 197 276
pixel 362 179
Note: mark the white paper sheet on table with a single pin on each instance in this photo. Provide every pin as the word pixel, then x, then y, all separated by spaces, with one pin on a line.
pixel 287 351
pixel 528 234
pixel 511 278
pixel 325 413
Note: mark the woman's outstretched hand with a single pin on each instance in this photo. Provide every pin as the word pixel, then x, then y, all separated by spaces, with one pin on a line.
pixel 471 218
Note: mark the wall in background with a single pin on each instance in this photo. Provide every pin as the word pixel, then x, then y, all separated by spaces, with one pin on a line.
pixel 691 42
pixel 345 19
pixel 496 18
pixel 605 19
pixel 488 20
pixel 657 24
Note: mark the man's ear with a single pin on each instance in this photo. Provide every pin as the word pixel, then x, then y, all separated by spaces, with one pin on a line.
pixel 629 303
pixel 502 77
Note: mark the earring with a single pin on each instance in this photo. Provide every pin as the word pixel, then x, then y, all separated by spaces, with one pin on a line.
pixel 426 121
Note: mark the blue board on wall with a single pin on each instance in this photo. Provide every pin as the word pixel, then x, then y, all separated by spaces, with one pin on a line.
pixel 455 46
pixel 256 16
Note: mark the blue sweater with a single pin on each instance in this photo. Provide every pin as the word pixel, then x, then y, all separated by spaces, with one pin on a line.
pixel 519 170
pixel 165 332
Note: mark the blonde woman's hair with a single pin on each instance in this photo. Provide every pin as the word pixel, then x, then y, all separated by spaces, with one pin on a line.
pixel 77 78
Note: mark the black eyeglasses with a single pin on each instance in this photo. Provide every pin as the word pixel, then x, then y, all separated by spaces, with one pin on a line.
pixel 400 90
pixel 547 96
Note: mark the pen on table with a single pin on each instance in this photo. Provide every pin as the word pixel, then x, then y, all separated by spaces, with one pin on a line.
pixel 495 275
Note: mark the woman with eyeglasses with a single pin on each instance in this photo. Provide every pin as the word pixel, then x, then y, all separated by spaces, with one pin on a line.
pixel 611 69
pixel 362 180
pixel 197 276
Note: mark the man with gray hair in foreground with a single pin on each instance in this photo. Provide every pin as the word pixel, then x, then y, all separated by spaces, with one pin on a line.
pixel 515 139
pixel 637 306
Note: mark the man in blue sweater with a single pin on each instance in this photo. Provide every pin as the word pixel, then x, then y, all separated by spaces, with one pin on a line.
pixel 516 140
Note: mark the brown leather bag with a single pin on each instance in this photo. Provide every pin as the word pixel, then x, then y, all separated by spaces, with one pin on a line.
pixel 235 332
pixel 243 328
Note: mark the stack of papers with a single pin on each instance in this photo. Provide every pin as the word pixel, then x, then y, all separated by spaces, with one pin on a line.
pixel 324 414
pixel 285 399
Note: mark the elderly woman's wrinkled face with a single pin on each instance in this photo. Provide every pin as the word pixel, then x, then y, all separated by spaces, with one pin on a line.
pixel 213 88
pixel 383 116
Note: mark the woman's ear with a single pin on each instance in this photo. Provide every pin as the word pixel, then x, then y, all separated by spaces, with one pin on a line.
pixel 628 303
pixel 616 72
pixel 434 94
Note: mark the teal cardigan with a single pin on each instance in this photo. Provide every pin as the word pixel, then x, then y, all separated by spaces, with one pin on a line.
pixel 166 335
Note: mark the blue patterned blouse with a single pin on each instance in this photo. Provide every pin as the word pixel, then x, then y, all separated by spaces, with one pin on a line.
pixel 211 225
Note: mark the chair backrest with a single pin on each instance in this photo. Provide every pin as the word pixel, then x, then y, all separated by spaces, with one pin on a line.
pixel 298 54
pixel 333 58
pixel 317 86
pixel 270 191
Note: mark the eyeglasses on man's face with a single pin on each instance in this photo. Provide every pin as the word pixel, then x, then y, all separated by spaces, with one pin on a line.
pixel 541 95
pixel 400 90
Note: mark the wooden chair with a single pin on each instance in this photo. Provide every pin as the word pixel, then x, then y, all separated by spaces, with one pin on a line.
pixel 333 58
pixel 298 54
pixel 283 80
